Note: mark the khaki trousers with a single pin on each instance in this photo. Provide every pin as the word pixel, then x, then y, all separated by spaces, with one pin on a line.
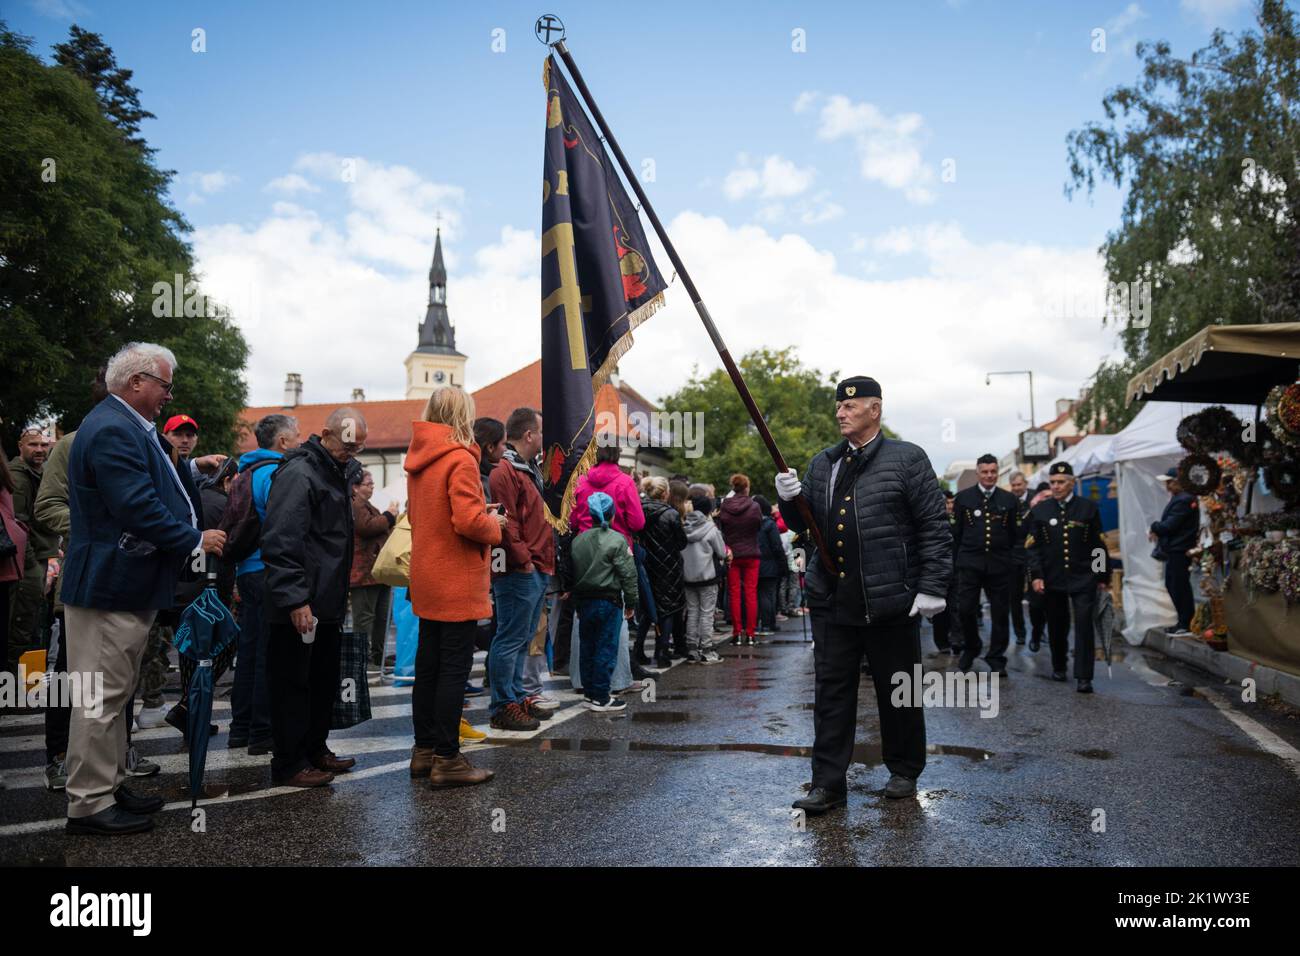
pixel 109 643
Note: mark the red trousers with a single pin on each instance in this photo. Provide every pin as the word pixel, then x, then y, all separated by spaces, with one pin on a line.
pixel 743 575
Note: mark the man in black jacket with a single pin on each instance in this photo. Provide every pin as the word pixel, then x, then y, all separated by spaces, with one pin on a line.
pixel 985 532
pixel 878 505
pixel 1067 564
pixel 307 551
pixel 1175 533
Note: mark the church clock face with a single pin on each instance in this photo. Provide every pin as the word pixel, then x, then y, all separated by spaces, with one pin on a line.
pixel 439 376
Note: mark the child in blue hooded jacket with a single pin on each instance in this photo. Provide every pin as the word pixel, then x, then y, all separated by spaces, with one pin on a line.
pixel 604 591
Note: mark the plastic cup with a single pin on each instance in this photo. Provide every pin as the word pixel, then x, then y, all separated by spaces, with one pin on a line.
pixel 310 636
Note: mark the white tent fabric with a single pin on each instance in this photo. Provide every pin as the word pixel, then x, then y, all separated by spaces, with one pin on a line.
pixel 1081 457
pixel 1140 453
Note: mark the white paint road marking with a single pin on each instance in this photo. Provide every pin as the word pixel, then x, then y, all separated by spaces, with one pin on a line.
pixel 1267 741
pixel 343 747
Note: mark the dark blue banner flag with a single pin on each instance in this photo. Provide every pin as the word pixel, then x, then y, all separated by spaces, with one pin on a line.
pixel 598 284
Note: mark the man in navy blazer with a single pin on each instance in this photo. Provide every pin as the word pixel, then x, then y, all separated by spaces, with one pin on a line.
pixel 132 527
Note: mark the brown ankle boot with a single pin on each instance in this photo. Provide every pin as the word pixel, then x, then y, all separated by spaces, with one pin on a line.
pixel 421 761
pixel 456 771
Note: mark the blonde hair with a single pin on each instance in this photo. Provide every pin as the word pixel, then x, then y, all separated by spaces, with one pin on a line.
pixel 452 406
pixel 655 487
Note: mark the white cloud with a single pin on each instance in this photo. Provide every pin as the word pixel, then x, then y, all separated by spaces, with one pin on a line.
pixel 340 299
pixel 1214 12
pixel 1119 40
pixel 804 101
pixel 60 9
pixel 291 183
pixel 924 333
pixel 775 178
pixel 212 182
pixel 889 149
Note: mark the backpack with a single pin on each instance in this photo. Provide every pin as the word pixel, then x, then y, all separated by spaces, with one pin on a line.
pixel 240 522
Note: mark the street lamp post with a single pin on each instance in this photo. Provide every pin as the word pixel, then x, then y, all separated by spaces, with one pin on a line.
pixel 987 381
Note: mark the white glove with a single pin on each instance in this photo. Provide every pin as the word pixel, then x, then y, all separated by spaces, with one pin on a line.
pixel 788 487
pixel 927 605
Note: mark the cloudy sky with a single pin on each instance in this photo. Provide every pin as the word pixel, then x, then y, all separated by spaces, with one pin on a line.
pixel 877 184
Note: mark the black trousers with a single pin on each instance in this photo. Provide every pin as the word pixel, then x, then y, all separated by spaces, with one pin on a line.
pixel 837 654
pixel 1016 588
pixel 767 594
pixel 1179 585
pixel 59 719
pixel 946 623
pixel 304 683
pixel 1058 605
pixel 563 629
pixel 994 585
pixel 443 658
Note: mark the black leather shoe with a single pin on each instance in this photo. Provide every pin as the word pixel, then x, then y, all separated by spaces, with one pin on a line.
pixel 1058 676
pixel 134 803
pixel 966 661
pixel 819 800
pixel 1085 686
pixel 259 748
pixel 900 787
pixel 1035 644
pixel 1020 639
pixel 110 821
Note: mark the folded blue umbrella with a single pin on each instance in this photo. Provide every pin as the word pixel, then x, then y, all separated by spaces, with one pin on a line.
pixel 206 629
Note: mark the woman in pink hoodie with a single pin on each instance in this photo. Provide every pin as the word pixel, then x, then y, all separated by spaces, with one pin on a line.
pixel 606 476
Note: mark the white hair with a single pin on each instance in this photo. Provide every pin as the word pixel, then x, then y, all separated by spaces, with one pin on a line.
pixel 136 358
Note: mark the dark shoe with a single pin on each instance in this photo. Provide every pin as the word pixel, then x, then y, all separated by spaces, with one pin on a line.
pixel 472 691
pixel 966 661
pixel 640 658
pixel 639 672
pixel 306 778
pixel 1020 639
pixel 421 761
pixel 234 743
pixel 535 709
pixel 332 763
pixel 1001 671
pixel 513 717
pixel 1058 676
pixel 258 748
pixel 900 787
pixel 735 640
pixel 134 803
pixel 663 663
pixel 111 821
pixel 819 800
pixel 1035 644
pixel 1085 686
pixel 456 771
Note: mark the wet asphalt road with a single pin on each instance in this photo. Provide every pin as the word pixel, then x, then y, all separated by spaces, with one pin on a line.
pixel 705 773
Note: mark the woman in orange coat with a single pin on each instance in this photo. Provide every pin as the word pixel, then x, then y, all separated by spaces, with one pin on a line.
pixel 452 534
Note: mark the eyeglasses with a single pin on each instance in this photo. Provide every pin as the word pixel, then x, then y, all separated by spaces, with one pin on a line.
pixel 166 385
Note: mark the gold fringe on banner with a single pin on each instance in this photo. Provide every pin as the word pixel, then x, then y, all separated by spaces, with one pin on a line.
pixel 598 381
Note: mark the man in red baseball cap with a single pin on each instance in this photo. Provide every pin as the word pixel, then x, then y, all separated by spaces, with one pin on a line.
pixel 183 433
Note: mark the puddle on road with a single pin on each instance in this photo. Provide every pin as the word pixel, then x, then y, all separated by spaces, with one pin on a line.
pixel 868 754
pixel 1095 754
pixel 660 716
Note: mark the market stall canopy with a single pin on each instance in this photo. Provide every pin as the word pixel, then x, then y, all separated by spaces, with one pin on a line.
pixel 1153 432
pixel 1223 363
pixel 1082 457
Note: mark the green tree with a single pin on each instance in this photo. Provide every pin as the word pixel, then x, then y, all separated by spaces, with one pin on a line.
pixel 797 402
pixel 1209 150
pixel 86 233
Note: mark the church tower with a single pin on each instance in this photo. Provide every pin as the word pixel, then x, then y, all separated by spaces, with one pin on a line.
pixel 435 361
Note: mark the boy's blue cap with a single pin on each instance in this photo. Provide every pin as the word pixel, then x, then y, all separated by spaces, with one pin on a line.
pixel 601 507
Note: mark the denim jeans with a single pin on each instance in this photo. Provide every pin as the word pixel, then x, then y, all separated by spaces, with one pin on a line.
pixel 250 694
pixel 599 622
pixel 518 596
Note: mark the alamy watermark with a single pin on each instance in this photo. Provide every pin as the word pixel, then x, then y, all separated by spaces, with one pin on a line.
pixel 652 429
pixel 945 689
pixel 70 689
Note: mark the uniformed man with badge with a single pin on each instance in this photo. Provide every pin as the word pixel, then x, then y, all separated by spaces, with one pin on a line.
pixel 986 521
pixel 878 505
pixel 1068 563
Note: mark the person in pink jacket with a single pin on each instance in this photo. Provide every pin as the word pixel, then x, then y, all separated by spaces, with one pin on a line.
pixel 606 476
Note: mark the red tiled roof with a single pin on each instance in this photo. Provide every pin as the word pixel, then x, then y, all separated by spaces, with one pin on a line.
pixel 389 423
